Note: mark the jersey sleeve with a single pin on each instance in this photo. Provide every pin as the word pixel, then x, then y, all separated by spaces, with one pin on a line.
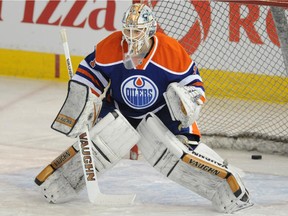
pixel 91 70
pixel 178 64
pixel 88 73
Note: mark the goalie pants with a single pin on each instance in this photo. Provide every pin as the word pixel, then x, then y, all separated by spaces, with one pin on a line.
pixel 192 132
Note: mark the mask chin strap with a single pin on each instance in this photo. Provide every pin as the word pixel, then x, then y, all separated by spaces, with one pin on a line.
pixel 130 59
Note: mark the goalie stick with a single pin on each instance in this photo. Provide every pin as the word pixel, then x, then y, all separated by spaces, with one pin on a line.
pixel 93 190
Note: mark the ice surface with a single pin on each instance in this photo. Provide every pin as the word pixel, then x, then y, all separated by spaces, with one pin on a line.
pixel 27 145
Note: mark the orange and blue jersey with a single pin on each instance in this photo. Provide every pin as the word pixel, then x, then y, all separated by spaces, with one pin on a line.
pixel 135 92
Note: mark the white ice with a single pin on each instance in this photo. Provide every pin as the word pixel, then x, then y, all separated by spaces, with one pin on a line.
pixel 28 144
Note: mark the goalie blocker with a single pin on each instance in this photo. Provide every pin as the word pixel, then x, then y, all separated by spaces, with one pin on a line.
pixel 81 108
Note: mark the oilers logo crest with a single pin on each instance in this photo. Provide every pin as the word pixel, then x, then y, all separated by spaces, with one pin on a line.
pixel 139 92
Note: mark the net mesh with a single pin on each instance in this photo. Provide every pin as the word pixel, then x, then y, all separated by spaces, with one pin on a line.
pixel 237 50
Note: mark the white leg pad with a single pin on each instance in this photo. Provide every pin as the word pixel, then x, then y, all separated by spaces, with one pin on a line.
pixel 64 183
pixel 201 171
pixel 112 139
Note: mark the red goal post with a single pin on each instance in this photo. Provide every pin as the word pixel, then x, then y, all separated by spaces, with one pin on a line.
pixel 279 3
pixel 237 46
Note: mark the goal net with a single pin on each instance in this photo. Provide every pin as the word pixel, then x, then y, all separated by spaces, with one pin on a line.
pixel 241 53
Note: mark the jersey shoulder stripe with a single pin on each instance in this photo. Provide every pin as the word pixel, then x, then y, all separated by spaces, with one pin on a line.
pixel 171 55
pixel 110 49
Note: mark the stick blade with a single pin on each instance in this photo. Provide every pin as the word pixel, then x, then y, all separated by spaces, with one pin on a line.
pixel 113 199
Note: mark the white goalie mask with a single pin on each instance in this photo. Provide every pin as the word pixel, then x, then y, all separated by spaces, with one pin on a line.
pixel 139 26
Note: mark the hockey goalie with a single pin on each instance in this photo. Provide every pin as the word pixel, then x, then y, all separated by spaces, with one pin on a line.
pixel 154 97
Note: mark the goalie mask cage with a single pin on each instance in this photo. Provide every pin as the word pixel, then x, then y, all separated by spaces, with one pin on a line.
pixel 241 49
